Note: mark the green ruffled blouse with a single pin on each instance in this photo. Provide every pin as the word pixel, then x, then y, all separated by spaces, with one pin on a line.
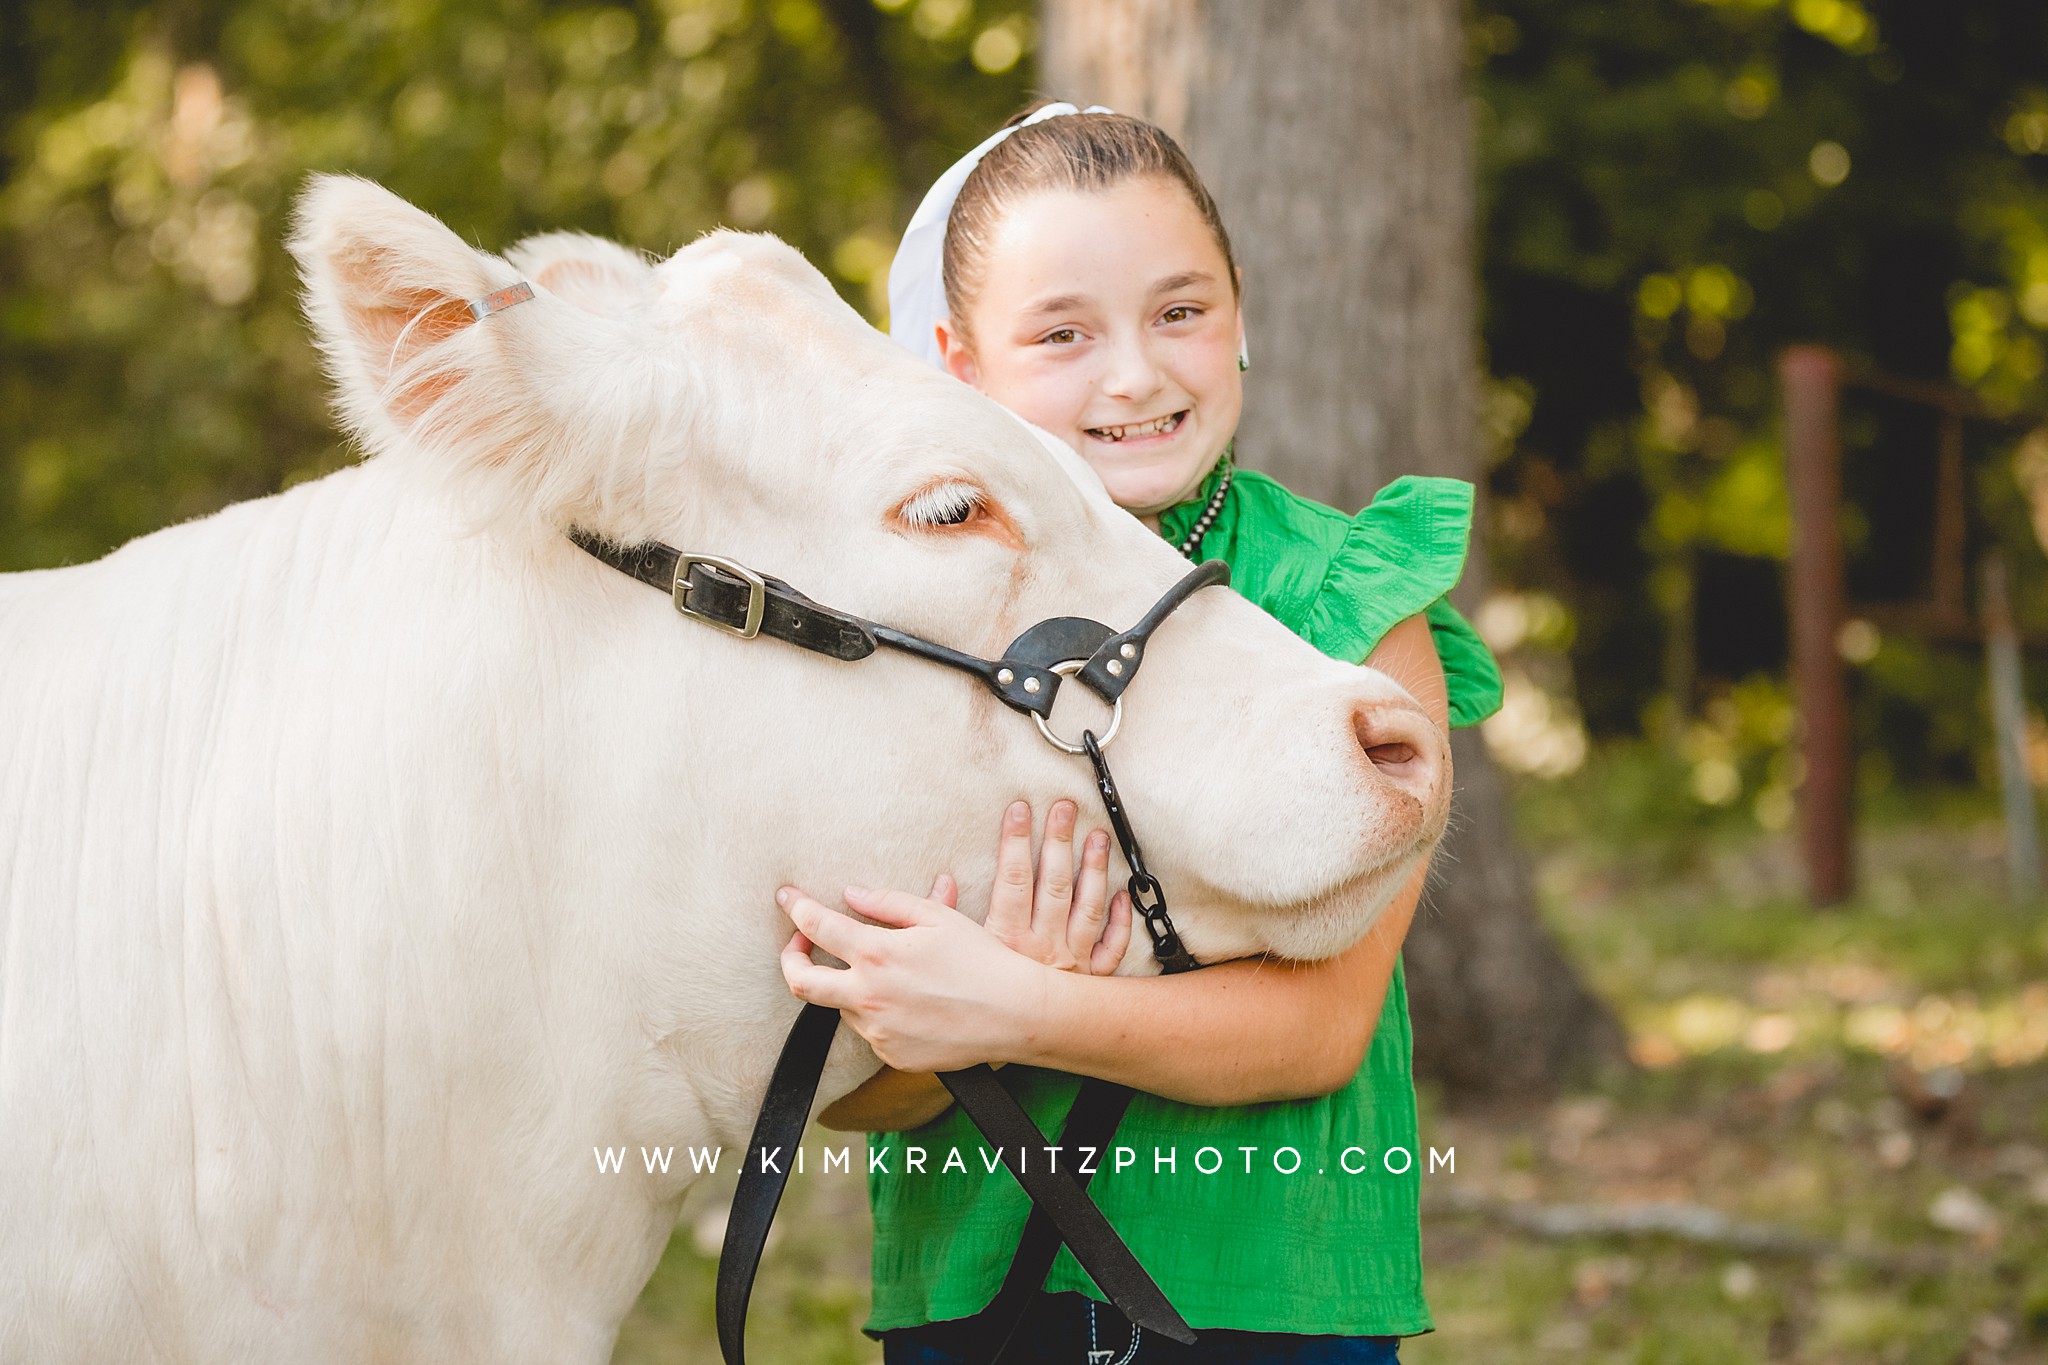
pixel 1333 1246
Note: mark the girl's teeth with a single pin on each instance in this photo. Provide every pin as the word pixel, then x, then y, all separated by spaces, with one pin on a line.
pixel 1152 428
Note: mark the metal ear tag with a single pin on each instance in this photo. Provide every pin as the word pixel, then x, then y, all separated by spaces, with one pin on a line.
pixel 500 301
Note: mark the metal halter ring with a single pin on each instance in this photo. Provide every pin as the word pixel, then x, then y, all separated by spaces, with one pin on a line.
pixel 1067 668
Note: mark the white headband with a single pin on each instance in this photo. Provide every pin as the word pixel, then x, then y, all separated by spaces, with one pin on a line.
pixel 917 281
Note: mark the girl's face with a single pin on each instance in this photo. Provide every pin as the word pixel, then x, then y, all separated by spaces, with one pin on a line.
pixel 1109 318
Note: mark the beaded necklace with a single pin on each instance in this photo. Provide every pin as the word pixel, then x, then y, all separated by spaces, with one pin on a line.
pixel 1193 542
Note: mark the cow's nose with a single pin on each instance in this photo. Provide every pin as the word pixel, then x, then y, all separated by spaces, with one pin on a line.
pixel 1403 745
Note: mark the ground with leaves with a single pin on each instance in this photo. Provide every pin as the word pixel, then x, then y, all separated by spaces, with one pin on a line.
pixel 1835 1148
pixel 1860 1094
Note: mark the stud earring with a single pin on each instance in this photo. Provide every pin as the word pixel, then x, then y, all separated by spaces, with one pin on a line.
pixel 1244 359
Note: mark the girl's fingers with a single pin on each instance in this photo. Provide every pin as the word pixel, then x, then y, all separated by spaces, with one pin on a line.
pixel 1116 937
pixel 896 909
pixel 1053 904
pixel 807 981
pixel 1009 901
pixel 1091 897
pixel 829 929
pixel 946 891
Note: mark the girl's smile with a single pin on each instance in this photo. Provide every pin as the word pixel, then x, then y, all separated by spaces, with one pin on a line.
pixel 1134 433
pixel 1112 322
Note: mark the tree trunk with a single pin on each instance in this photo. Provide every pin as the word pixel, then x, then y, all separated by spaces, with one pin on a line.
pixel 1336 138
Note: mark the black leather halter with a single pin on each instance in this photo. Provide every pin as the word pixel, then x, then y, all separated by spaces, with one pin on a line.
pixel 726 594
pixel 723 593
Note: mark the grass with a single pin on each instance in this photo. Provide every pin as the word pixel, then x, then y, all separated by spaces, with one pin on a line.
pixel 1871 1078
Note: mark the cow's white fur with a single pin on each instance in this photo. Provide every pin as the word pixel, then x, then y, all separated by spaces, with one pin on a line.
pixel 368 853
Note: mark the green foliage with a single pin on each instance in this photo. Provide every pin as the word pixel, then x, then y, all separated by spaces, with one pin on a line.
pixel 1674 800
pixel 153 365
pixel 1675 192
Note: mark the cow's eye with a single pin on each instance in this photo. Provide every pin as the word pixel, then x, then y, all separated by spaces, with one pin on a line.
pixel 943 504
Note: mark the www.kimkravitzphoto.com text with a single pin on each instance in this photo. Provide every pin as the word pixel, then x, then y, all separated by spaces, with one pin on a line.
pixel 1083 1160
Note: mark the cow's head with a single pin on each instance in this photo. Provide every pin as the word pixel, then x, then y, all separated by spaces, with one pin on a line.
pixel 727 401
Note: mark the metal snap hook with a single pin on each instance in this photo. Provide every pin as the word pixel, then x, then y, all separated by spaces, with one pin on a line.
pixel 1067 668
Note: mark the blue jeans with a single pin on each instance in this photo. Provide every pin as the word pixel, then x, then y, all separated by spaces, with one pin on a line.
pixel 1069 1329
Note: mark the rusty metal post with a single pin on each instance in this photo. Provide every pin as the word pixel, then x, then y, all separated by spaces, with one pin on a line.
pixel 1810 378
pixel 2009 720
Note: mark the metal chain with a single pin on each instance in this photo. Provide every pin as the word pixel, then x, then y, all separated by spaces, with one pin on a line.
pixel 1148 897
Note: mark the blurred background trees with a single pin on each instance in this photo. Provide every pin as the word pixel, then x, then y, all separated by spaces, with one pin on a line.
pixel 1667 195
pixel 1674 194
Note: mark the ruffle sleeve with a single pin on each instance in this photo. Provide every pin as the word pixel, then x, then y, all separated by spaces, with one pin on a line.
pixel 1398 558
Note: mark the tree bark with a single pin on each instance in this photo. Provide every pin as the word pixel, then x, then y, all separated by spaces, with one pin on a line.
pixel 1336 137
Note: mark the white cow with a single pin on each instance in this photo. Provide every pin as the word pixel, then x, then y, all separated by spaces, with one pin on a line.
pixel 369 853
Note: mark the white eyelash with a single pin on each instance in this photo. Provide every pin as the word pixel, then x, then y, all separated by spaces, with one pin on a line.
pixel 944 504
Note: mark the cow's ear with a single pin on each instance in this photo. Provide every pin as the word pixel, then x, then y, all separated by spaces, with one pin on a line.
pixel 598 276
pixel 521 400
pixel 388 289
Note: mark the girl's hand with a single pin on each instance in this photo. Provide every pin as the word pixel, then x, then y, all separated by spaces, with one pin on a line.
pixel 1062 918
pixel 929 988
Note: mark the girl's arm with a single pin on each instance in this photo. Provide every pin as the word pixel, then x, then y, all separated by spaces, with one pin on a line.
pixel 1237 1033
pixel 939 991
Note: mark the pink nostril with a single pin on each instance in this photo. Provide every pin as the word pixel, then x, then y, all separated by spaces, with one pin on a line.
pixel 1396 739
pixel 1390 755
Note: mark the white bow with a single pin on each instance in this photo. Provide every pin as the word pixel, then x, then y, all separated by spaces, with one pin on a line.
pixel 917 284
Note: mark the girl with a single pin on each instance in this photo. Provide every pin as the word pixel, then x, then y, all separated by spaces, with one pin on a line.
pixel 1075 269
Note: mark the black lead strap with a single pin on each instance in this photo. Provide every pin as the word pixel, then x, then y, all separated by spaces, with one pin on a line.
pixel 1059 1198
pixel 1058 1194
pixel 765 1172
pixel 734 598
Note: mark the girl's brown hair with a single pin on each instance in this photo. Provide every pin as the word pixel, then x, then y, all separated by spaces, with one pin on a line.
pixel 1065 152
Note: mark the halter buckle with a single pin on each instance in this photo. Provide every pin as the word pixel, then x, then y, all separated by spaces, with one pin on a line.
pixel 757 593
